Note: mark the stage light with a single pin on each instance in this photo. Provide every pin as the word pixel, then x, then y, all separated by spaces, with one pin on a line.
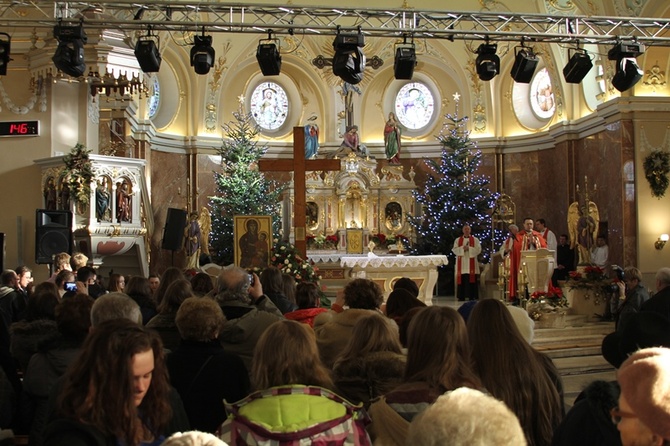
pixel 577 67
pixel 405 61
pixel 268 57
pixel 148 54
pixel 69 56
pixel 525 62
pixel 487 62
pixel 202 54
pixel 5 46
pixel 628 73
pixel 349 60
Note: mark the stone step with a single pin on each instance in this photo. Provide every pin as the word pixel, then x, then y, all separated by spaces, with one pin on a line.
pixel 574 384
pixel 582 364
pixel 569 351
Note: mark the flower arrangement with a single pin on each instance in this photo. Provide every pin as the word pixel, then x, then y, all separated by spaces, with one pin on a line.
pixel 656 168
pixel 379 239
pixel 544 302
pixel 78 173
pixel 322 241
pixel 591 278
pixel 286 257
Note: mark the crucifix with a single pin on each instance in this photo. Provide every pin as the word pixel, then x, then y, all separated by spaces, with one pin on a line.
pixel 299 166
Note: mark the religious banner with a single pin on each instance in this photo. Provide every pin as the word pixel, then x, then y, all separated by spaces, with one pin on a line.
pixel 253 237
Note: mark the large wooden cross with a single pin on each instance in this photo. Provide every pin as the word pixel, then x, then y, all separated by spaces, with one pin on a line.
pixel 299 166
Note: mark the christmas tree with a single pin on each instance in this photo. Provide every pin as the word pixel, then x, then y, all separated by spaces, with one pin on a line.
pixel 454 195
pixel 241 189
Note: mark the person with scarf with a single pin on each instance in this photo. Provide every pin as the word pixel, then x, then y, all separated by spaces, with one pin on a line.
pixel 466 248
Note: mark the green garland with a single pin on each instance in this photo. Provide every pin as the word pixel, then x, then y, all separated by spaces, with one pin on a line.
pixel 656 169
pixel 78 173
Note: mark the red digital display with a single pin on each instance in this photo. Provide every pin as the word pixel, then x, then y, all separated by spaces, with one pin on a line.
pixel 20 128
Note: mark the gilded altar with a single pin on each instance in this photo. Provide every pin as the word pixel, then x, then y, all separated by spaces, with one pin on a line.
pixel 361 196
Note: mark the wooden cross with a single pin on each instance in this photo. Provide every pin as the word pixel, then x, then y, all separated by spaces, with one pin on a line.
pixel 299 166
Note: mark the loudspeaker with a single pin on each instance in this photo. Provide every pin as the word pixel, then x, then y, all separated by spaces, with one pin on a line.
pixel 524 66
pixel 173 234
pixel 2 251
pixel 53 234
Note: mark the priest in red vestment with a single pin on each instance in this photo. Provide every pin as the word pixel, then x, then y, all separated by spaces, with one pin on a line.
pixel 527 240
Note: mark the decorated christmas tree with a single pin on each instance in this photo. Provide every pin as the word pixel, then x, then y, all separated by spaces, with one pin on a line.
pixel 453 195
pixel 241 189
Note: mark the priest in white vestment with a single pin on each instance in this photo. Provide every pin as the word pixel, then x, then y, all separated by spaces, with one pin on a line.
pixel 467 247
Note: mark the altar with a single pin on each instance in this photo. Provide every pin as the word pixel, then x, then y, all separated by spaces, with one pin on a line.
pixel 385 270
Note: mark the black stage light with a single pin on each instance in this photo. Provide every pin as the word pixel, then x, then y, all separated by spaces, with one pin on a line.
pixel 5 46
pixel 628 73
pixel 202 54
pixel 148 55
pixel 349 60
pixel 577 67
pixel 405 61
pixel 525 62
pixel 69 55
pixel 268 57
pixel 487 62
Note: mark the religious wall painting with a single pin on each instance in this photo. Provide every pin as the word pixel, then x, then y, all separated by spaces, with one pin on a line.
pixel 414 105
pixel 253 238
pixel 269 106
pixel 312 215
pixel 393 219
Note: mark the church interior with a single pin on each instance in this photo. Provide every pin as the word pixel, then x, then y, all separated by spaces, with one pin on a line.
pixel 589 115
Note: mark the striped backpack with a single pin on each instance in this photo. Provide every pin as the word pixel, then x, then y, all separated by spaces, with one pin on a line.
pixel 295 416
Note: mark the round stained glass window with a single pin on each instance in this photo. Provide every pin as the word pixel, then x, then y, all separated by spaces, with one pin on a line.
pixel 269 105
pixel 414 105
pixel 542 95
pixel 155 98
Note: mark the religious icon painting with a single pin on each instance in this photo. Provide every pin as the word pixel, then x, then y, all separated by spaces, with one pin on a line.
pixel 269 105
pixel 253 240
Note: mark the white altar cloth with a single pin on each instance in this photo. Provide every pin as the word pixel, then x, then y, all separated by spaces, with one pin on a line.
pixel 385 270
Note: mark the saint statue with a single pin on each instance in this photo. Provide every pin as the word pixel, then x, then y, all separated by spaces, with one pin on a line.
pixel 123 202
pixel 101 199
pixel 311 140
pixel 392 141
pixel 192 242
pixel 50 195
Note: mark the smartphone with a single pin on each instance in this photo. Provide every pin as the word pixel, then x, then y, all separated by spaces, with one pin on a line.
pixel 71 286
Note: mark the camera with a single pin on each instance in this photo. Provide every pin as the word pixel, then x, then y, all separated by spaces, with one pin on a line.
pixel 71 286
pixel 251 279
pixel 613 287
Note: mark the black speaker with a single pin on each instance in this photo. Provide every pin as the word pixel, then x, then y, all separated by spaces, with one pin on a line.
pixel 524 66
pixel 269 59
pixel 405 61
pixel 173 234
pixel 577 67
pixel 2 251
pixel 53 234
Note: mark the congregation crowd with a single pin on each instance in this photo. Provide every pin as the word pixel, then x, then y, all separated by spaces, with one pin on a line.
pixel 183 359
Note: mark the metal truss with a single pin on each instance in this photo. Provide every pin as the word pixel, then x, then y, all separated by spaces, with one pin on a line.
pixel 214 17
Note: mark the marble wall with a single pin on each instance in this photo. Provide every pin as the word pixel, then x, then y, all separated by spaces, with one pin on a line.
pixel 542 183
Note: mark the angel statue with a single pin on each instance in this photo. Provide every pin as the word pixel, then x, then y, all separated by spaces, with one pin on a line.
pixel 583 227
pixel 205 222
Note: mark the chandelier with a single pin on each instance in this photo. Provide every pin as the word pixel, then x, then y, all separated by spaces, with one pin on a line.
pixel 119 87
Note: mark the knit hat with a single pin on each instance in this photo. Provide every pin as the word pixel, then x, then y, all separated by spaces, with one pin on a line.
pixel 642 330
pixel 645 384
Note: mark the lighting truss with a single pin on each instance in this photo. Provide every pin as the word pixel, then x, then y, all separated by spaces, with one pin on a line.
pixel 288 19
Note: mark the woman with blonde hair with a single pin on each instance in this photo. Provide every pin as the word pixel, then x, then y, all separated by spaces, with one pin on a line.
pixel 287 354
pixel 531 391
pixel 438 360
pixel 371 364
pixel 294 398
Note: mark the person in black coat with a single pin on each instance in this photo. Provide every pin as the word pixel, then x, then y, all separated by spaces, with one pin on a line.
pixel 660 302
pixel 202 372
